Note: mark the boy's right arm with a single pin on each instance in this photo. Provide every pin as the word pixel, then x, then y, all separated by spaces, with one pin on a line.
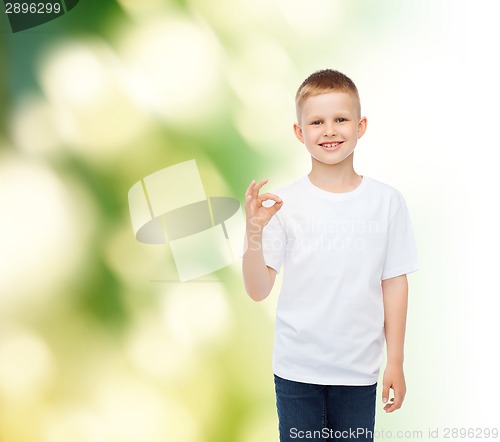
pixel 258 277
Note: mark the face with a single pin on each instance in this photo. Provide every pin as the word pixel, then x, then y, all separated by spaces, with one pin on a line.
pixel 330 126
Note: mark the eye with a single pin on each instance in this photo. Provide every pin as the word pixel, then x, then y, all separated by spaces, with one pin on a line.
pixel 340 120
pixel 316 123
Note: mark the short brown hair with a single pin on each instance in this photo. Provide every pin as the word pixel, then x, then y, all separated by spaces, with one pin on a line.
pixel 323 82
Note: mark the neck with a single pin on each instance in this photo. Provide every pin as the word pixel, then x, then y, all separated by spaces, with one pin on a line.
pixel 334 176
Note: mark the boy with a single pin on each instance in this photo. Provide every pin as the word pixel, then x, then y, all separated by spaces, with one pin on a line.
pixel 346 244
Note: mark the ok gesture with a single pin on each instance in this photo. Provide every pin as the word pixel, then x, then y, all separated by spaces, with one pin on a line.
pixel 257 215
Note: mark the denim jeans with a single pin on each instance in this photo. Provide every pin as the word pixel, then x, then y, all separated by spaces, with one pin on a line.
pixel 325 412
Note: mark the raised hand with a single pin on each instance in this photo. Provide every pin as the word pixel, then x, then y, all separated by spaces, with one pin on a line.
pixel 257 215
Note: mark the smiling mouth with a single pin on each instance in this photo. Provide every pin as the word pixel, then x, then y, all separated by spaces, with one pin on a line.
pixel 331 145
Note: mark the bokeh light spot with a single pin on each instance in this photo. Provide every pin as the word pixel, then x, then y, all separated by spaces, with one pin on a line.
pixel 26 363
pixel 41 243
pixel 175 66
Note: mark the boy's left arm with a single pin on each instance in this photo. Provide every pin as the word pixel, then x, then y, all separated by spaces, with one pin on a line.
pixel 395 296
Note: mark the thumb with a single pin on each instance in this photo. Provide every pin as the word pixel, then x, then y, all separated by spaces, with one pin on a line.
pixel 385 392
pixel 275 207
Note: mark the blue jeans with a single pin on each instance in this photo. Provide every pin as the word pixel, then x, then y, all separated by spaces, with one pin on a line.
pixel 325 412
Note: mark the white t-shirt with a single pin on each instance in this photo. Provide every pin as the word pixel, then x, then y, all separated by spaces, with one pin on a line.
pixel 335 249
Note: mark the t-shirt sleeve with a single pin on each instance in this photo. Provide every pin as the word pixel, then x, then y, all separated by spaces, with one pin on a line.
pixel 273 244
pixel 401 253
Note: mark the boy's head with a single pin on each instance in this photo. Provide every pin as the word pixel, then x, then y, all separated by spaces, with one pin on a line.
pixel 324 82
pixel 329 121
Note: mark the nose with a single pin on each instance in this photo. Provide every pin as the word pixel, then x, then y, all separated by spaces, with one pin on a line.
pixel 329 130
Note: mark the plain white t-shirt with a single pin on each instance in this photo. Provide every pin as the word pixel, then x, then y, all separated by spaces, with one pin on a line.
pixel 335 249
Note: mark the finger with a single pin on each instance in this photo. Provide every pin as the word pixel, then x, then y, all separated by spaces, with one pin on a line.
pixel 275 207
pixel 257 187
pixel 394 403
pixel 249 189
pixel 269 196
pixel 385 393
pixel 249 198
pixel 393 406
pixel 389 403
pixel 398 398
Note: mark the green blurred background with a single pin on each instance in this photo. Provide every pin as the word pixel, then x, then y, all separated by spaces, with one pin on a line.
pixel 98 342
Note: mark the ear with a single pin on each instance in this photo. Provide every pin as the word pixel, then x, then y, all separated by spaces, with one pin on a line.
pixel 298 132
pixel 362 127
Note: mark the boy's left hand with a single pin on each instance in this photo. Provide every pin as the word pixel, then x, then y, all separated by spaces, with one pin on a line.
pixel 394 378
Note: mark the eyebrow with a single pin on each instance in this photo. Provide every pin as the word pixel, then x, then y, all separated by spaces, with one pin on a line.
pixel 337 114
